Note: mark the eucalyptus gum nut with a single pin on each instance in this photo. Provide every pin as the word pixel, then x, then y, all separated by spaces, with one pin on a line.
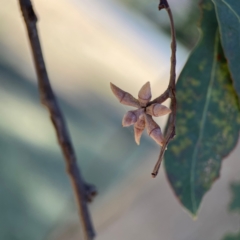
pixel 139 127
pixel 129 100
pixel 157 136
pixel 144 95
pixel 141 121
pixel 129 119
pixel 124 97
pixel 137 134
pixel 119 93
pixel 154 130
pixel 150 124
pixel 157 110
pixel 139 112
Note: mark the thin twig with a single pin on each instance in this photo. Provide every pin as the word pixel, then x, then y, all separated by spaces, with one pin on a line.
pixel 81 190
pixel 170 92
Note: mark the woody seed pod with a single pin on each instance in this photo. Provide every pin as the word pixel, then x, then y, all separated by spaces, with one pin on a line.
pixel 124 97
pixel 157 136
pixel 154 130
pixel 144 94
pixel 131 117
pixel 157 110
pixel 139 128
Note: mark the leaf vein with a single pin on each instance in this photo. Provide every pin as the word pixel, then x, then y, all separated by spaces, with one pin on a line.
pixel 202 125
pixel 231 9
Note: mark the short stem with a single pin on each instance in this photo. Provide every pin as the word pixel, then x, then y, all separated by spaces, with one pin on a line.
pixel 170 92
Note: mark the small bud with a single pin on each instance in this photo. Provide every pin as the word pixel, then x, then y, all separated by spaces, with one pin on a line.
pixel 144 94
pixel 124 97
pixel 128 119
pixel 139 128
pixel 157 110
pixel 150 124
pixel 154 130
pixel 131 117
pixel 157 136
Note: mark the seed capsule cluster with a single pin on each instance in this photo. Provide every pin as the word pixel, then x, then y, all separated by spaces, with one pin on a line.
pixel 142 117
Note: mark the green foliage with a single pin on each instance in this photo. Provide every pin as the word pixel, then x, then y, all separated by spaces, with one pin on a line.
pixel 234 206
pixel 208 118
pixel 228 14
pixel 232 237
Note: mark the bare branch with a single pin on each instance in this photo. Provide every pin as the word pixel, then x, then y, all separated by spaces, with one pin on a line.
pixel 82 191
pixel 171 90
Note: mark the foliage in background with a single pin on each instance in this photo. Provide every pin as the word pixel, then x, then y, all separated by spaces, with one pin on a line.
pixel 232 237
pixel 235 203
pixel 208 118
pixel 228 14
pixel 235 207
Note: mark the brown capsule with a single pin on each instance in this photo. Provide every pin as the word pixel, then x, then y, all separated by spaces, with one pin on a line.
pixel 131 117
pixel 150 124
pixel 139 128
pixel 154 130
pixel 124 97
pixel 144 94
pixel 157 110
pixel 128 119
pixel 157 136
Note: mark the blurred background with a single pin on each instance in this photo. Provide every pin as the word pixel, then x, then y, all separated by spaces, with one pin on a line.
pixel 86 45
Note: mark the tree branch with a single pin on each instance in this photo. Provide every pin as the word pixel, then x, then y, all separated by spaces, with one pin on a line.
pixel 82 191
pixel 171 90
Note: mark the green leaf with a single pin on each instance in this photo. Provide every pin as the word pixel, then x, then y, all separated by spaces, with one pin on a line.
pixel 208 120
pixel 228 15
pixel 232 237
